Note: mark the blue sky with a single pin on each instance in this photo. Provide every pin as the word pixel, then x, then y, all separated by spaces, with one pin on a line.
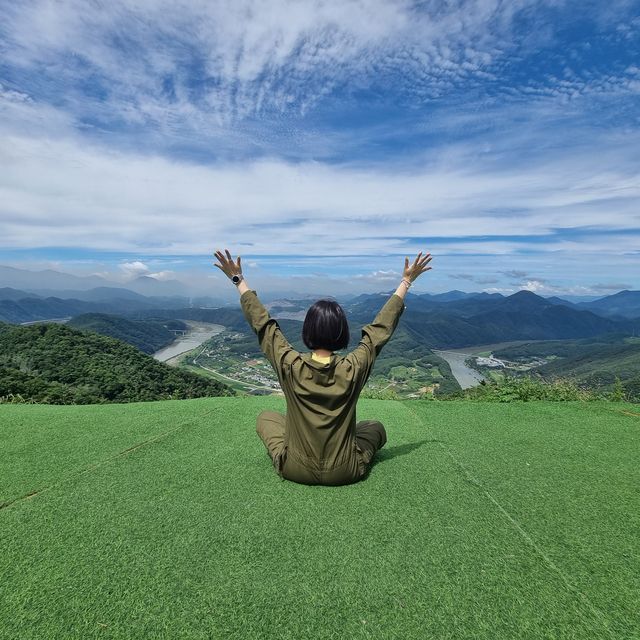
pixel 324 141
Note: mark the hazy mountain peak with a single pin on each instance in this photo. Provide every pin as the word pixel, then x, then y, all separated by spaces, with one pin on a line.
pixel 48 279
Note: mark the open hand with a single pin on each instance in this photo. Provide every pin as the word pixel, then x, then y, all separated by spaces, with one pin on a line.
pixel 418 266
pixel 227 265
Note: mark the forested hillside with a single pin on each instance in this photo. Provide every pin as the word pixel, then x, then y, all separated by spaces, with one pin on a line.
pixel 598 366
pixel 486 319
pixel 592 362
pixel 59 365
pixel 147 335
pixel 624 304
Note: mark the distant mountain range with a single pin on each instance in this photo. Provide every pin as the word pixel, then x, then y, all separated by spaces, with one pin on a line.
pixel 453 318
pixel 625 304
pixel 621 305
pixel 460 323
pixel 17 310
pixel 49 282
pixel 482 320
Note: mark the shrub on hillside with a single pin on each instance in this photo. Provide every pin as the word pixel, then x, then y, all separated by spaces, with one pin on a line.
pixel 11 398
pixel 526 388
pixel 632 389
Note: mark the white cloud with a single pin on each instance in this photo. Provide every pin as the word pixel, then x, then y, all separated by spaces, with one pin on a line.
pixel 137 268
pixel 535 285
pixel 134 269
pixel 67 193
pixel 163 275
pixel 380 276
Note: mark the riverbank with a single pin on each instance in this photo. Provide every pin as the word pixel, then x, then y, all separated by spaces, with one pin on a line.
pixel 198 333
pixel 466 376
pixel 482 349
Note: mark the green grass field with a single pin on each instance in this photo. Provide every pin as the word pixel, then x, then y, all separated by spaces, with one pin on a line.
pixel 166 520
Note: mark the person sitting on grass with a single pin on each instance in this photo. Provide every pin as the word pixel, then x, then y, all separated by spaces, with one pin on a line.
pixel 318 441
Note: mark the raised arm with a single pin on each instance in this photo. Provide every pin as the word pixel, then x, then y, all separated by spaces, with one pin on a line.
pixel 376 334
pixel 271 339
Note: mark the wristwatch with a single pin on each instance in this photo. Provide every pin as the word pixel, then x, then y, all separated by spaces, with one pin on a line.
pixel 237 279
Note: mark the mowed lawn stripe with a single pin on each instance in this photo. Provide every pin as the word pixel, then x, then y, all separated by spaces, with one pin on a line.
pixel 194 536
pixel 568 474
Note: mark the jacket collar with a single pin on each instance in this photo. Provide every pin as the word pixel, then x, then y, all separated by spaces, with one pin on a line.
pixel 319 365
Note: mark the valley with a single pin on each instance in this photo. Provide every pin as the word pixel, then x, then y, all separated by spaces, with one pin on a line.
pixel 233 357
pixel 428 356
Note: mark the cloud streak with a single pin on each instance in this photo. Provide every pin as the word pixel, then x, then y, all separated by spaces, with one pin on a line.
pixel 63 193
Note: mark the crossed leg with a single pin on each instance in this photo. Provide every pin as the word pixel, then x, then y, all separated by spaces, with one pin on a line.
pixel 270 428
pixel 370 436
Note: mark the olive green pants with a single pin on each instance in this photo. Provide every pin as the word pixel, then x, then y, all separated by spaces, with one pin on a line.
pixel 370 436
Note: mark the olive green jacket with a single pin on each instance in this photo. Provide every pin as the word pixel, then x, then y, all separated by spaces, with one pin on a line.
pixel 321 398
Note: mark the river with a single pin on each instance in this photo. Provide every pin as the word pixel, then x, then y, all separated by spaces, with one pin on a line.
pixel 466 376
pixel 198 333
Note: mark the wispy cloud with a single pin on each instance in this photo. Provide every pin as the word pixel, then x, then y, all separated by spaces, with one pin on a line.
pixel 470 277
pixel 234 59
pixel 63 193
pixel 611 286
pixel 219 71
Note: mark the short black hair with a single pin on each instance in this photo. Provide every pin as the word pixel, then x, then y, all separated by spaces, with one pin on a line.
pixel 325 326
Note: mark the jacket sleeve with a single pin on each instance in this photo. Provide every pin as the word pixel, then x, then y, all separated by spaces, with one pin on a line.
pixel 374 337
pixel 272 341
